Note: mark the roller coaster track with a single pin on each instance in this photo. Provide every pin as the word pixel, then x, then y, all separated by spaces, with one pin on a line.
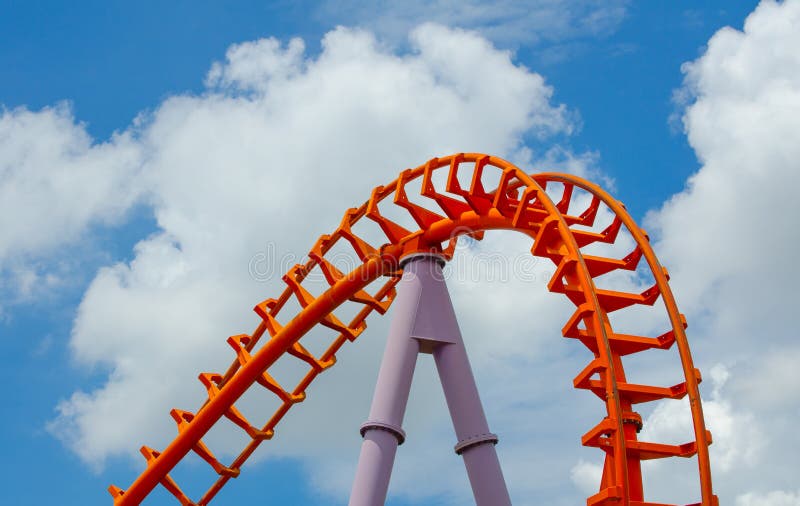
pixel 461 194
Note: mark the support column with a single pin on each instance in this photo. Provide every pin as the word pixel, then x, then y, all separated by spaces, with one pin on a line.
pixel 424 321
pixel 383 431
pixel 437 329
pixel 475 440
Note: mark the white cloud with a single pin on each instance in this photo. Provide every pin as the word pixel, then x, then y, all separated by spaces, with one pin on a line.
pixel 502 21
pixel 773 367
pixel 256 64
pixel 55 184
pixel 54 181
pixel 587 476
pixel 774 498
pixel 275 149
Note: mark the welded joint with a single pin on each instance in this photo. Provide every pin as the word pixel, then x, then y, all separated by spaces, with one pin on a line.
pixel 480 439
pixel 393 429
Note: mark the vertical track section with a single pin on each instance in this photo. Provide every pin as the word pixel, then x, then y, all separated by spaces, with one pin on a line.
pixel 498 196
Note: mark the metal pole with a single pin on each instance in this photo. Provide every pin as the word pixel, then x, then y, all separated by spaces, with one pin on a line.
pixel 383 431
pixel 475 441
pixel 425 322
pixel 436 318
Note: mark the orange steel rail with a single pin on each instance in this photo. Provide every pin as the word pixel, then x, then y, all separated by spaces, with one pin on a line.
pixel 499 196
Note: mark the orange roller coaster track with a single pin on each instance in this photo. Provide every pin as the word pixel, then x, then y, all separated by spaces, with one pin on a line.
pixel 444 209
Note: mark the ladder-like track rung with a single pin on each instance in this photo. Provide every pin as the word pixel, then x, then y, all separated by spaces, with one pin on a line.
pixel 597 266
pixel 167 482
pixel 422 216
pixel 637 394
pixel 609 300
pixel 477 196
pixel 238 343
pixel 479 201
pixel 453 208
pixel 363 249
pixel 265 310
pixel 333 275
pixel 393 231
pixel 621 344
pixel 650 451
pixel 587 217
pixel 608 235
pixel 304 298
pixel 212 382
pixel 612 301
pixel 183 419
pixel 625 344
pixel 505 198
pixel 529 210
pixel 644 450
pixel 563 204
pixel 299 351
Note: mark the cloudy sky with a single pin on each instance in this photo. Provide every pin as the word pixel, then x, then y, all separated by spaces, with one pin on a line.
pixel 160 165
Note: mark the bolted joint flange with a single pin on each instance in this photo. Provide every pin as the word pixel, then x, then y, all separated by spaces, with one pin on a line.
pixel 395 430
pixel 480 439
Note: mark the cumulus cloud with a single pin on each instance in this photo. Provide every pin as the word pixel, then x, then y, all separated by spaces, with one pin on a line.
pixel 774 498
pixel 276 148
pixel 587 476
pixel 55 183
pixel 54 180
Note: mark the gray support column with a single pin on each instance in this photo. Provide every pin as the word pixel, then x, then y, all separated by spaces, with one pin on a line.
pixel 475 441
pixel 424 321
pixel 383 431
pixel 437 329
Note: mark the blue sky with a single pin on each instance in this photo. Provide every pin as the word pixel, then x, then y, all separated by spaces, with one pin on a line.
pixel 98 66
pixel 112 62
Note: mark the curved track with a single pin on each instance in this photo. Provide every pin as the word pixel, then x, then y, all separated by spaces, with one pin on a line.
pixel 462 194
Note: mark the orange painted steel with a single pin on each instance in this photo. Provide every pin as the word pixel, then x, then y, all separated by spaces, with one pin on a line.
pixel 443 211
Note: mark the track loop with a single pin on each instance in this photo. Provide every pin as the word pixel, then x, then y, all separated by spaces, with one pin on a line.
pixel 564 230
